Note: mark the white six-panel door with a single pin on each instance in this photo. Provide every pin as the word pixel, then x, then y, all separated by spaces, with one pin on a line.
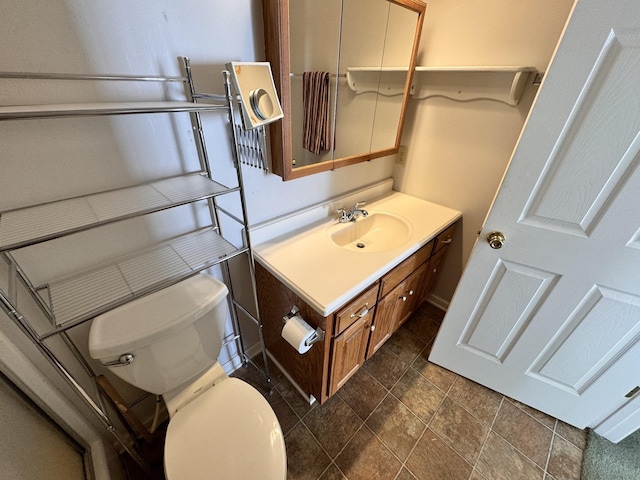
pixel 552 318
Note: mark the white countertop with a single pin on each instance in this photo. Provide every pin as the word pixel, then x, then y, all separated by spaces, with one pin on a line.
pixel 326 275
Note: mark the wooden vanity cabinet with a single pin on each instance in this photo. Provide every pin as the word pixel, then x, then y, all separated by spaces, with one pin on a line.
pixel 354 332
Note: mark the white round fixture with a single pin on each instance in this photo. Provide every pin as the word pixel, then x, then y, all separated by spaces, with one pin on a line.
pixel 229 432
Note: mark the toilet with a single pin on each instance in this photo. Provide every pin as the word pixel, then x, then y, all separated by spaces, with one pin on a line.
pixel 168 343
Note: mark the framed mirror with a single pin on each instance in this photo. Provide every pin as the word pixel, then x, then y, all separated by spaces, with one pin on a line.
pixel 343 69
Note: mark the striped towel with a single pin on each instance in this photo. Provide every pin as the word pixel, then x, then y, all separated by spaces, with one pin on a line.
pixel 315 101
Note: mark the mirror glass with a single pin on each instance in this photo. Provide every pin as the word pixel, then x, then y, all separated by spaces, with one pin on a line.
pixel 313 48
pixel 375 53
pixel 343 69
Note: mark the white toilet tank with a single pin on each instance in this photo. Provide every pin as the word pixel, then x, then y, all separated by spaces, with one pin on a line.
pixel 174 335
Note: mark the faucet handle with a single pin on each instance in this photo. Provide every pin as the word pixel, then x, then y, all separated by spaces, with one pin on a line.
pixel 358 205
pixel 344 216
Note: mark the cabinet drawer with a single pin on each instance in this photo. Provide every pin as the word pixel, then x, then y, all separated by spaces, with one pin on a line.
pixel 402 271
pixel 445 237
pixel 356 309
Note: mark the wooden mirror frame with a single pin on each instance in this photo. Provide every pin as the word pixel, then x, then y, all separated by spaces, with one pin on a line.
pixel 276 36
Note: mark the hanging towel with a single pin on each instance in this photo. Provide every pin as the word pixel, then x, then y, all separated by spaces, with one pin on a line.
pixel 315 100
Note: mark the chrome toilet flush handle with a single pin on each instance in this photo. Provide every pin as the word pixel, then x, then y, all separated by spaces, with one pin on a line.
pixel 123 360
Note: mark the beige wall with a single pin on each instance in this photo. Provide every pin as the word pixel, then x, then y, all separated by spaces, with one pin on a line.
pixel 458 151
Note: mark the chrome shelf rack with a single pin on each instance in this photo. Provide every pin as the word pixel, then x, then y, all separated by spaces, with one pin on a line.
pixel 75 299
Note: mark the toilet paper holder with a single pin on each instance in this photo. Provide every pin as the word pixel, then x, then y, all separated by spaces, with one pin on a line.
pixel 318 336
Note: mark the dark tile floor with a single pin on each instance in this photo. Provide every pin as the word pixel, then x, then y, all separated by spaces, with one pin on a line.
pixel 401 417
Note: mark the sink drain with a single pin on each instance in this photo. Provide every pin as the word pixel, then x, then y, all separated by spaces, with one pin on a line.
pixel 360 245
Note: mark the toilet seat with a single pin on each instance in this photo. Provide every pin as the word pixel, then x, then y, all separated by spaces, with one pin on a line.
pixel 229 432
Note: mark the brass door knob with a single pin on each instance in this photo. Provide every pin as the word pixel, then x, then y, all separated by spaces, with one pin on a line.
pixel 496 240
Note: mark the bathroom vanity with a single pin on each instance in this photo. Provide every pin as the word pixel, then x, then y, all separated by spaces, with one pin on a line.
pixel 358 284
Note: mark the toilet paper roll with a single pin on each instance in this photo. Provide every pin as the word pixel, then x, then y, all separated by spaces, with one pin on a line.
pixel 296 332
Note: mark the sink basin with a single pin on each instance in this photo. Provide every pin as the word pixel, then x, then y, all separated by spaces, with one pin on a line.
pixel 375 233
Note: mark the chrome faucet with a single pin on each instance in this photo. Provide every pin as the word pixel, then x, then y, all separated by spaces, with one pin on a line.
pixel 353 214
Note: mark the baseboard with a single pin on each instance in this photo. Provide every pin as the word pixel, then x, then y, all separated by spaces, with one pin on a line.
pixel 309 398
pixel 438 302
pixel 235 362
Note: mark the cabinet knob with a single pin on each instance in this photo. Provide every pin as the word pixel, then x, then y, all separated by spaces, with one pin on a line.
pixel 373 327
pixel 407 294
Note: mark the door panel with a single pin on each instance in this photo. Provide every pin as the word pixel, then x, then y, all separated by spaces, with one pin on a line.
pixel 552 318
pixel 582 349
pixel 583 172
pixel 493 330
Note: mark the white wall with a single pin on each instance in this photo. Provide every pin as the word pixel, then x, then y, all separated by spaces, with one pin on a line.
pixel 458 151
pixel 138 37
pixel 47 160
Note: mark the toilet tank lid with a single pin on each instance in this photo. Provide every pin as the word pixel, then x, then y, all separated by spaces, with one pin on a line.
pixel 140 322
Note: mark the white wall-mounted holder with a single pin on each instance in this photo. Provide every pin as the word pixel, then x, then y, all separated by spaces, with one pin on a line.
pixel 388 81
pixel 253 82
pixel 465 83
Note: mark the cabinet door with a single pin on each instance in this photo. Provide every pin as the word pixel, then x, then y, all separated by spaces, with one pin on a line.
pixel 395 308
pixel 385 320
pixel 408 297
pixel 349 349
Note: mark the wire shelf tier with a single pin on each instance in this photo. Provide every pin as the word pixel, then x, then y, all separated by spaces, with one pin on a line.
pixel 19 112
pixel 76 298
pixel 27 226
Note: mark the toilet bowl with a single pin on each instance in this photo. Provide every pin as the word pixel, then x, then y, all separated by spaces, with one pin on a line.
pixel 251 444
pixel 219 427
